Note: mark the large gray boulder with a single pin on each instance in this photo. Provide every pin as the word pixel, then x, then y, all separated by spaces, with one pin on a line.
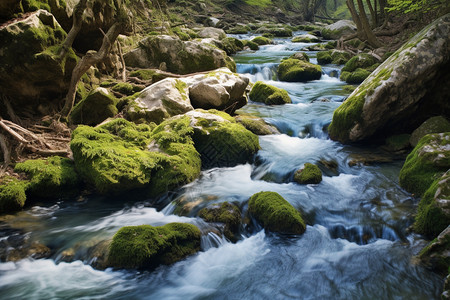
pixel 336 30
pixel 177 56
pixel 221 89
pixel 30 71
pixel 166 98
pixel 211 32
pixel 402 92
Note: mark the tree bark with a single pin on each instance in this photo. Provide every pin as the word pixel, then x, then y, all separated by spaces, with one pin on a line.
pixel 91 58
pixel 6 153
pixel 76 26
pixel 371 38
pixel 356 19
pixel 372 13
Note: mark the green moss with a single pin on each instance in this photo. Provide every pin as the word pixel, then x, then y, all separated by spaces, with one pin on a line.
pixel 256 125
pixel 146 247
pixel 126 88
pixel 49 178
pixel 268 94
pixel 422 166
pixel 294 70
pixel 432 125
pixel 95 108
pixel 275 213
pixel 181 86
pixel 223 144
pixel 362 60
pixel 181 34
pixel 348 88
pixel 349 113
pixel 252 45
pixel 238 30
pixel 310 174
pixel 398 142
pixel 226 213
pixel 303 39
pixel 357 76
pixel 300 56
pixel 147 74
pixel 260 40
pixel 344 75
pixel 12 194
pixel 120 156
pixel 431 219
pixel 324 57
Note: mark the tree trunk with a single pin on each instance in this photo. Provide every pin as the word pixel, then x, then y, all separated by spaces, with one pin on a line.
pixel 372 13
pixel 91 58
pixel 76 26
pixel 356 19
pixel 371 38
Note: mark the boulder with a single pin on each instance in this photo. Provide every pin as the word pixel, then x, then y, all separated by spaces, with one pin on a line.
pixel 166 98
pixel 226 213
pixel 211 32
pixel 355 77
pixel 220 140
pixel 275 31
pixel 49 178
pixel 275 213
pixel 269 94
pixel 95 108
pixel 256 125
pixel 220 89
pixel 432 125
pixel 305 38
pixel 178 56
pixel 146 247
pixel 250 45
pixel 433 213
pixel 294 70
pixel 30 71
pixel 336 57
pixel 310 174
pixel 402 92
pixel 336 30
pixel 300 56
pixel 436 255
pixel 362 60
pixel 120 156
pixel 12 194
pixel 428 160
pixel 261 40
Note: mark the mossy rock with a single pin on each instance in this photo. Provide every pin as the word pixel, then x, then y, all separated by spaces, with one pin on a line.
pixel 275 213
pixel 426 163
pixel 220 140
pixel 361 60
pixel 50 178
pixel 226 213
pixel 276 31
pixel 119 156
pixel 231 45
pixel 432 125
pixel 310 174
pixel 146 247
pixel 269 94
pixel 95 108
pixel 256 125
pixel 126 88
pixel 12 194
pixel 306 38
pixel 433 213
pixel 260 40
pixel 238 30
pixel 357 76
pixel 340 57
pixel 294 70
pixel 148 74
pixel 324 57
pixel 300 56
pixel 251 44
pixel 398 142
pixel 436 254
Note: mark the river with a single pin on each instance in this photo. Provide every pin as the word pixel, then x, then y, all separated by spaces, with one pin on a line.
pixel 356 245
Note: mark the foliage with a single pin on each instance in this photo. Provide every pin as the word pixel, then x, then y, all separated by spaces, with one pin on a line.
pixel 418 6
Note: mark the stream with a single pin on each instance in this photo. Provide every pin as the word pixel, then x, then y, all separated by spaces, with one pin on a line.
pixel 356 245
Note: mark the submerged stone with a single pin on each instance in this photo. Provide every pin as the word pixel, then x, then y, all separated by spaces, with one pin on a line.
pixel 275 213
pixel 226 213
pixel 146 247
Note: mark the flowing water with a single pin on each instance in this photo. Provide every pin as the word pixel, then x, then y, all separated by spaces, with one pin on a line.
pixel 356 245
